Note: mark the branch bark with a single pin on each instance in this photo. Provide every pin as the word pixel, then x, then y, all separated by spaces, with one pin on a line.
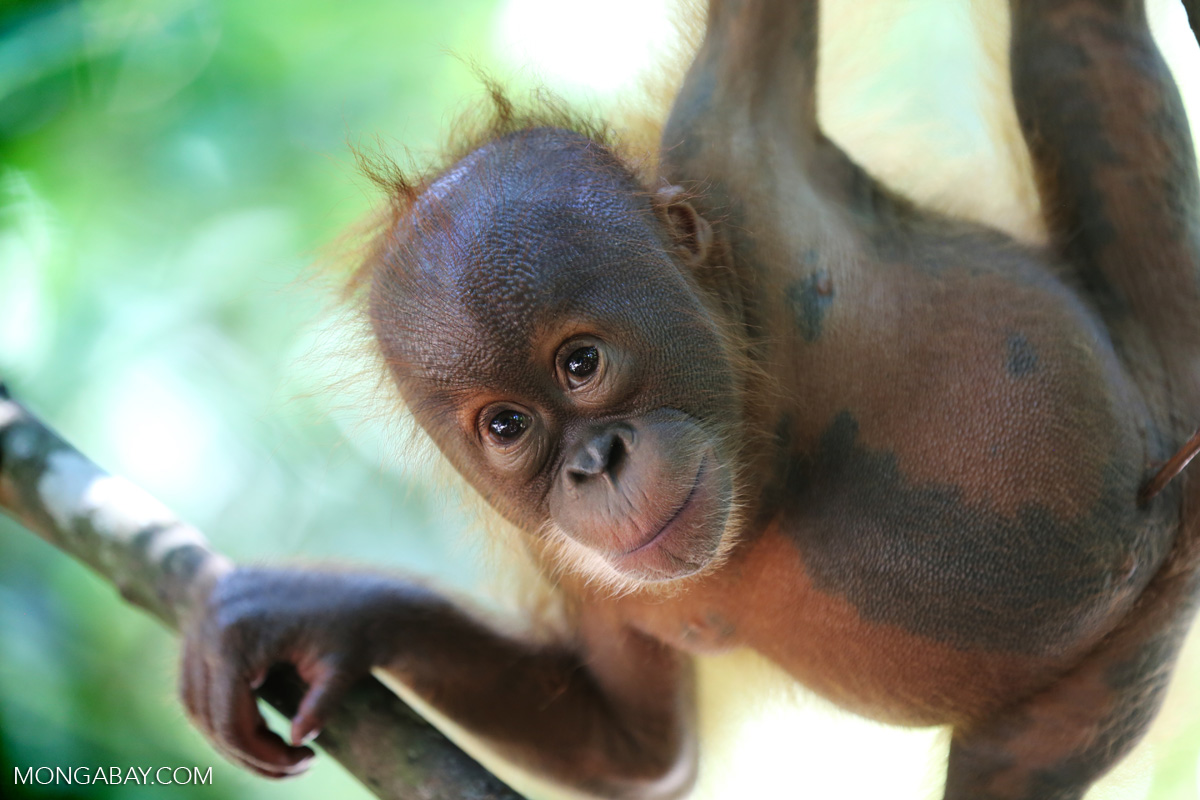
pixel 156 561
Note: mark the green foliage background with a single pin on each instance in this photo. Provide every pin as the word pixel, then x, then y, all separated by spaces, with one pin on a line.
pixel 169 170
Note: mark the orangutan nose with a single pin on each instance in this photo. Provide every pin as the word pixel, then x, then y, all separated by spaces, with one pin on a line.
pixel 602 454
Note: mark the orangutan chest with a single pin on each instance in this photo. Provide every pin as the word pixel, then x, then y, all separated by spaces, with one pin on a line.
pixel 1003 569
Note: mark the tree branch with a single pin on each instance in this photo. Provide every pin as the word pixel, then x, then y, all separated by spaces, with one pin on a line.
pixel 156 561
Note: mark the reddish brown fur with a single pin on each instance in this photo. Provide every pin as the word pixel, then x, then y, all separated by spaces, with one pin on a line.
pixel 896 453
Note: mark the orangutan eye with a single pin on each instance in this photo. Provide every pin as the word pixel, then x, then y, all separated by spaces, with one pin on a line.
pixel 583 362
pixel 507 425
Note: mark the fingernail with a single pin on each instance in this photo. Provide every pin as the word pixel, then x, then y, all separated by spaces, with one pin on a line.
pixel 308 736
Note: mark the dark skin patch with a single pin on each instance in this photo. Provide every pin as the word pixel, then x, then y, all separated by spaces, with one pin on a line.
pixel 1118 695
pixel 776 488
pixel 1022 358
pixel 805 39
pixel 694 100
pixel 1079 169
pixel 1087 211
pixel 811 298
pixel 919 557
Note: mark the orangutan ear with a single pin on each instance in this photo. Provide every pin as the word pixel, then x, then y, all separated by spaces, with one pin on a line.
pixel 690 232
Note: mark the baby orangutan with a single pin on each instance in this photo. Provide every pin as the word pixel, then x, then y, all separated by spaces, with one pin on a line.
pixel 759 401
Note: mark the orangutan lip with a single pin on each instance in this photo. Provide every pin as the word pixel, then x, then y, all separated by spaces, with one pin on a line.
pixel 667 525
